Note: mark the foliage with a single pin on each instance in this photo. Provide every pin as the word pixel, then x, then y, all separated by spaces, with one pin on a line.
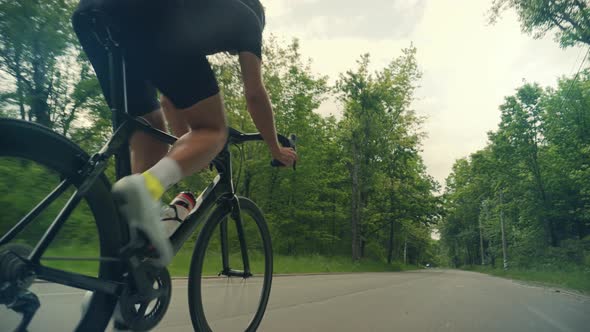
pixel 381 144
pixel 36 49
pixel 533 175
pixel 570 19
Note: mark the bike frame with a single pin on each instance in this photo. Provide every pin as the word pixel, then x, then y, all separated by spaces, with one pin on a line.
pixel 220 193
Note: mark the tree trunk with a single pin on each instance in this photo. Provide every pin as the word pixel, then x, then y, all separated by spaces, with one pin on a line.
pixel 391 210
pixel 333 225
pixel 481 243
pixel 547 220
pixel 247 182
pixel 20 87
pixel 39 107
pixel 406 250
pixel 21 100
pixel 271 189
pixel 390 247
pixel 492 253
pixel 355 200
pixel 504 255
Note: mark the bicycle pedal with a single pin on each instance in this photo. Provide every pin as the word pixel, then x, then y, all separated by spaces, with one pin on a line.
pixel 139 248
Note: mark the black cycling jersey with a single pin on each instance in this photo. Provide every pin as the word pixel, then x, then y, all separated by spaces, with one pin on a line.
pixel 166 43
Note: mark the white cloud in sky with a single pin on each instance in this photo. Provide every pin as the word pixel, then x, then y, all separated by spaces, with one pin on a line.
pixel 468 65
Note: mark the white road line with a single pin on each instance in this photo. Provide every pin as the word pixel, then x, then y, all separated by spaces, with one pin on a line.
pixel 61 294
pixel 549 320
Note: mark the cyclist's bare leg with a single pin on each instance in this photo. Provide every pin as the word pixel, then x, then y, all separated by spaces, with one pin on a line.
pixel 174 117
pixel 205 128
pixel 146 150
pixel 207 136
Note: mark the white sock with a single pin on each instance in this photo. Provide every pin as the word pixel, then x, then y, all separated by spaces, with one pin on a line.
pixel 167 171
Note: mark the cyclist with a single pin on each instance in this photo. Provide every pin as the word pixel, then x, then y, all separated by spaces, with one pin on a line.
pixel 165 44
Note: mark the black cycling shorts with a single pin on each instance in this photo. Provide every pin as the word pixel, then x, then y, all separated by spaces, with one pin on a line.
pixel 165 43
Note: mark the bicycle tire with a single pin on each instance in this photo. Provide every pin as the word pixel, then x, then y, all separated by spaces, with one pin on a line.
pixel 248 207
pixel 29 141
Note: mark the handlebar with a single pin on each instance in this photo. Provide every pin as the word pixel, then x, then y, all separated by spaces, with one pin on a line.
pixel 237 137
pixel 287 143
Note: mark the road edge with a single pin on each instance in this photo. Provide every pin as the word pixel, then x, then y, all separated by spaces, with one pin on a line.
pixel 547 286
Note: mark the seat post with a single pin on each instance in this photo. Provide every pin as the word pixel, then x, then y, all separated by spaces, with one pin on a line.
pixel 118 91
pixel 118 96
pixel 117 79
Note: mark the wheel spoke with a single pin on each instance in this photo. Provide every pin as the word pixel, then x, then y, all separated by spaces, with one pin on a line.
pixel 142 309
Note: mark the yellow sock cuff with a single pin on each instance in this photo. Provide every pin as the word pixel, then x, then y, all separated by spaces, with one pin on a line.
pixel 154 185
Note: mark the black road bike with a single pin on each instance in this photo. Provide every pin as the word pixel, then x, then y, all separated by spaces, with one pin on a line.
pixel 231 267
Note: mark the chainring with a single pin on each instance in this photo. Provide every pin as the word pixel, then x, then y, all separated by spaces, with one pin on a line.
pixel 142 311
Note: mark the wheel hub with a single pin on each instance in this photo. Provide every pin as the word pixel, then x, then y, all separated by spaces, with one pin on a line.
pixel 16 276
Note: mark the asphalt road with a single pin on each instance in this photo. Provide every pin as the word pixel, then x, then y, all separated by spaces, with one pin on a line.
pixel 429 300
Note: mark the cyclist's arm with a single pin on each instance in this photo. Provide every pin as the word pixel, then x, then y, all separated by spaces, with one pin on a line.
pixel 257 100
pixel 260 108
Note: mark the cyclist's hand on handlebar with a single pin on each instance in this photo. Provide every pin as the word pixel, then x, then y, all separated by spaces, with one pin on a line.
pixel 287 156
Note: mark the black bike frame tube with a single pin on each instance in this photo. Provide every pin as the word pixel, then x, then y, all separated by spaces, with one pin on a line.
pixel 237 217
pixel 158 134
pixel 224 240
pixel 78 280
pixel 14 231
pixel 52 231
pixel 118 94
pixel 208 199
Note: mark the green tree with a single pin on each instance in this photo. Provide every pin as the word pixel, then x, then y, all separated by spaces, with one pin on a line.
pixel 522 128
pixel 381 142
pixel 567 128
pixel 569 19
pixel 36 51
pixel 533 176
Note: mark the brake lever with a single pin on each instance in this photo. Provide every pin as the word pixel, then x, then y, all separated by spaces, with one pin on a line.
pixel 292 144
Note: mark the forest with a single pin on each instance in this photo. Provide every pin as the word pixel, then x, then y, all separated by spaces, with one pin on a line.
pixel 523 200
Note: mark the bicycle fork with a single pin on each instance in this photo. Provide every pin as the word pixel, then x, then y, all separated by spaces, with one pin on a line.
pixel 237 218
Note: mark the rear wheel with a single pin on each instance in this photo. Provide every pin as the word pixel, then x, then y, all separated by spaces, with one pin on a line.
pixel 231 303
pixel 33 162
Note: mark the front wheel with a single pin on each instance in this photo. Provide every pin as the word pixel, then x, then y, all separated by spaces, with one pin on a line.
pixel 231 301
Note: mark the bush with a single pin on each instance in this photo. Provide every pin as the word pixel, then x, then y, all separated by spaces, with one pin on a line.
pixel 572 253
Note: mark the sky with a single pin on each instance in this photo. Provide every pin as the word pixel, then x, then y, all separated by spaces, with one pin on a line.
pixel 468 65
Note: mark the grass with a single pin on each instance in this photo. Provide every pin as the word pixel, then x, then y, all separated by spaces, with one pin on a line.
pixel 84 267
pixel 282 264
pixel 325 264
pixel 290 264
pixel 575 278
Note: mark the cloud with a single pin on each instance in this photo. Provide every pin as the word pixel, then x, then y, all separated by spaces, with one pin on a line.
pixel 369 19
